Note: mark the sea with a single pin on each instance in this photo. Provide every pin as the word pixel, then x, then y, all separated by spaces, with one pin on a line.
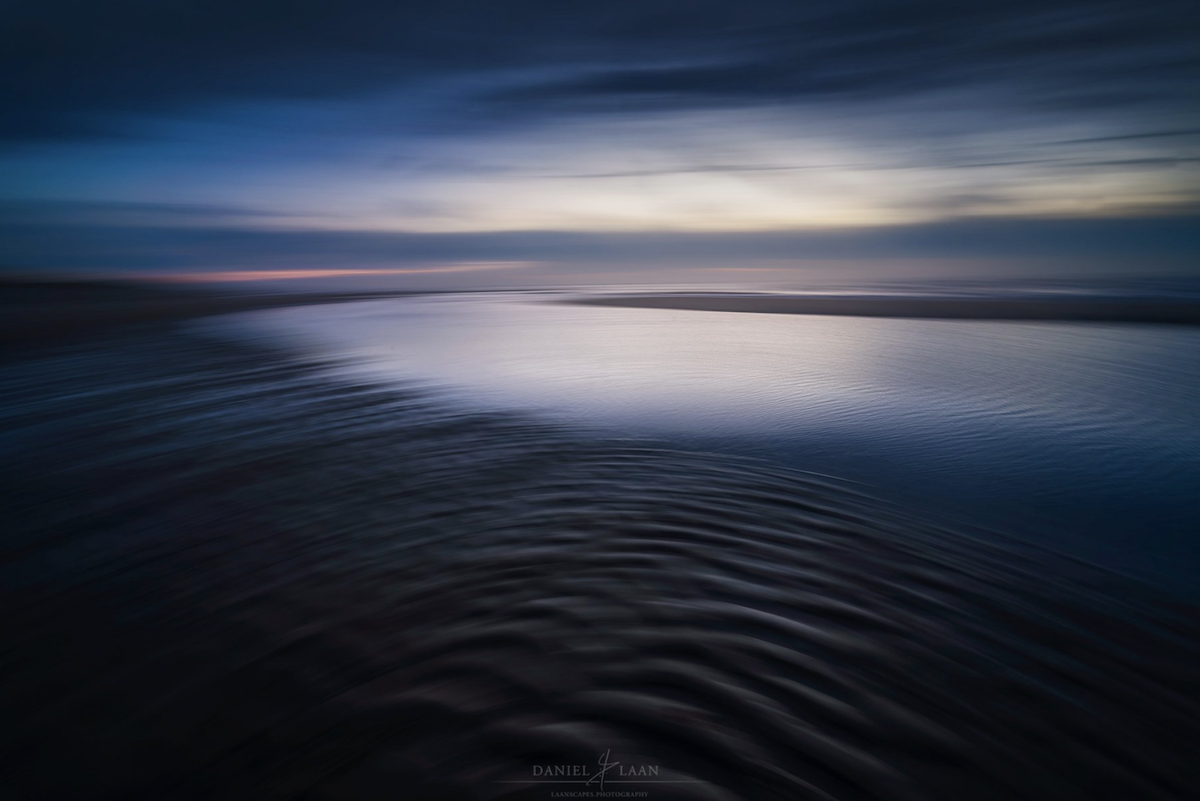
pixel 1079 436
pixel 501 545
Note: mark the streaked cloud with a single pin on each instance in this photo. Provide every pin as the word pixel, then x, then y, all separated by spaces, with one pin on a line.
pixel 368 119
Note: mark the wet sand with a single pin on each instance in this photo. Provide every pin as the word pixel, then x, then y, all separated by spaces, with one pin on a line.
pixel 38 312
pixel 1178 312
pixel 227 576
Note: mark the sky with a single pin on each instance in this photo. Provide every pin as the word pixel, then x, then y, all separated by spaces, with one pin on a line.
pixel 514 142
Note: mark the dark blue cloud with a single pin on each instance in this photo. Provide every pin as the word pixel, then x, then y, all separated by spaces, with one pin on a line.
pixel 73 66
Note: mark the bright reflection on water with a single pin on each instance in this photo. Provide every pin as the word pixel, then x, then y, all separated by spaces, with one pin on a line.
pixel 1081 435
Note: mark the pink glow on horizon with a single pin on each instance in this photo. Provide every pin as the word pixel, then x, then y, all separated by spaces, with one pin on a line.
pixel 747 269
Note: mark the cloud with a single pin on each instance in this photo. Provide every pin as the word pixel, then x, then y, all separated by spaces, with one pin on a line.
pixel 262 134
pixel 1132 245
pixel 75 67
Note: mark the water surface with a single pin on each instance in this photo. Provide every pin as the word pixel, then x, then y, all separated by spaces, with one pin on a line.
pixel 228 576
pixel 1078 435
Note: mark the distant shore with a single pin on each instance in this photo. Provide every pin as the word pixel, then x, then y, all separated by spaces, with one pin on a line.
pixel 34 313
pixel 1076 309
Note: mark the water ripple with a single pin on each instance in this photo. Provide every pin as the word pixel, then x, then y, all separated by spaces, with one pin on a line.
pixel 231 577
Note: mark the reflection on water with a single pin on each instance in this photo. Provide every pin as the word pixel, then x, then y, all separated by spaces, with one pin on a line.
pixel 226 576
pixel 1080 435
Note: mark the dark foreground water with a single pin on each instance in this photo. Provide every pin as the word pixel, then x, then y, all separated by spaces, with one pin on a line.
pixel 227 576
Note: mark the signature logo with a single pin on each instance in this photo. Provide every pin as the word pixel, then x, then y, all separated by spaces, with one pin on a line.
pixel 610 771
pixel 605 767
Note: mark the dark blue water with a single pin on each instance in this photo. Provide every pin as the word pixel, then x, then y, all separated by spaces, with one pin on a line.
pixel 226 574
pixel 1080 436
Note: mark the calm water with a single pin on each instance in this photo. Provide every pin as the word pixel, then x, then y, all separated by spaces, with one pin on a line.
pixel 226 574
pixel 1081 436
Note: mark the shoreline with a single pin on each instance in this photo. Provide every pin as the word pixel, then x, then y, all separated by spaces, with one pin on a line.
pixel 33 314
pixel 1173 312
